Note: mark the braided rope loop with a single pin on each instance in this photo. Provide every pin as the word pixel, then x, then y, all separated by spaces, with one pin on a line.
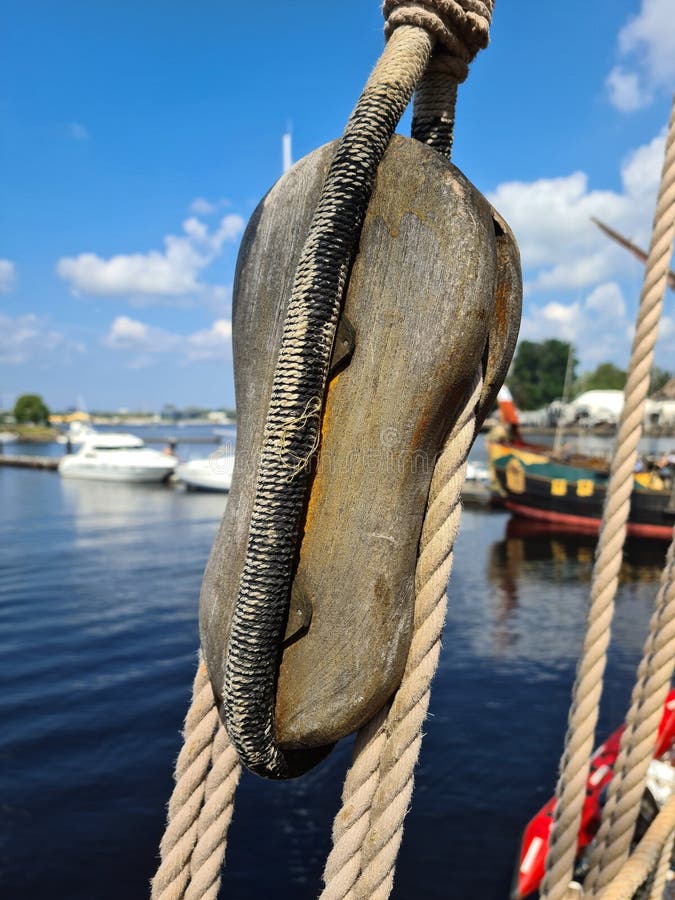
pixel 461 29
pixel 579 740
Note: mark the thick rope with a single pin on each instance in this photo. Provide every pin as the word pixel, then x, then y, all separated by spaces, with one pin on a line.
pixel 200 808
pixel 350 826
pixel 433 119
pixel 398 742
pixel 214 820
pixel 638 740
pixel 645 858
pixel 461 29
pixel 575 763
pixel 662 869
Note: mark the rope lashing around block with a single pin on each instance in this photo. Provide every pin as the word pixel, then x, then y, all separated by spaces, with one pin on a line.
pixel 461 30
pixel 433 119
pixel 461 27
pixel 579 740
pixel 301 372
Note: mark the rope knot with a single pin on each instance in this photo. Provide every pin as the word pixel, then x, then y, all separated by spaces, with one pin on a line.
pixel 461 28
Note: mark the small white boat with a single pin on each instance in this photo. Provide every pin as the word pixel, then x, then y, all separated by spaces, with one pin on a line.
pixel 476 490
pixel 117 457
pixel 211 474
pixel 8 437
pixel 477 472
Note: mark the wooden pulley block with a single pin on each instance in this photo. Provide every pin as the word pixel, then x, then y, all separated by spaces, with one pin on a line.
pixel 434 293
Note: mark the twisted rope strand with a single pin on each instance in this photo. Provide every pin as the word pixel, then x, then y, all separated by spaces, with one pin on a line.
pixel 185 818
pixel 636 750
pixel 662 869
pixel 575 763
pixel 645 858
pixel 433 119
pixel 352 821
pixel 461 27
pixel 214 820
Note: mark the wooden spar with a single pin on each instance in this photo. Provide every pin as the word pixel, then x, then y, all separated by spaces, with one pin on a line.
pixel 631 247
pixel 434 292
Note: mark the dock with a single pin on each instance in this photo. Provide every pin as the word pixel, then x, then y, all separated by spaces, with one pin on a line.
pixel 30 462
pixel 187 439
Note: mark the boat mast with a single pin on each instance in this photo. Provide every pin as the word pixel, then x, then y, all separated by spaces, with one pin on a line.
pixel 557 442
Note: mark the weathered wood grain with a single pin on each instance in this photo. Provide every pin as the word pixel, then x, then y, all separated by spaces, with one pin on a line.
pixel 421 298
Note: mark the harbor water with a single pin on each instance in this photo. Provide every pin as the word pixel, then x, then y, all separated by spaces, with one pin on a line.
pixel 99 587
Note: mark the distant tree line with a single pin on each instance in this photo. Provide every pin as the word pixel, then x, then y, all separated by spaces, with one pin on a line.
pixel 539 368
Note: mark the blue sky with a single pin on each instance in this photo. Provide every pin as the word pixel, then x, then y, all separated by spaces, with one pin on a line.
pixel 137 139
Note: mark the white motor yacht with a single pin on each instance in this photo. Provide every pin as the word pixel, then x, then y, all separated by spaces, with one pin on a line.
pixel 117 457
pixel 211 474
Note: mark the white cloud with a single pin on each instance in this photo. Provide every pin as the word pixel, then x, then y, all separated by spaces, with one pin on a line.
pixel 211 343
pixel 30 338
pixel 575 274
pixel 552 320
pixel 200 206
pixel 607 300
pixel 78 131
pixel 641 172
pixel 173 272
pixel 560 246
pixel 624 90
pixel 565 255
pixel 647 44
pixel 7 275
pixel 147 343
pixel 597 325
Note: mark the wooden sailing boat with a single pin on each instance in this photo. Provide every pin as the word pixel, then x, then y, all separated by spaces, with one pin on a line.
pixel 568 490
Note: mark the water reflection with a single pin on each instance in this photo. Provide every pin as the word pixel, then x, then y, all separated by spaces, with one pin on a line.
pixel 569 553
pixel 109 505
pixel 540 574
